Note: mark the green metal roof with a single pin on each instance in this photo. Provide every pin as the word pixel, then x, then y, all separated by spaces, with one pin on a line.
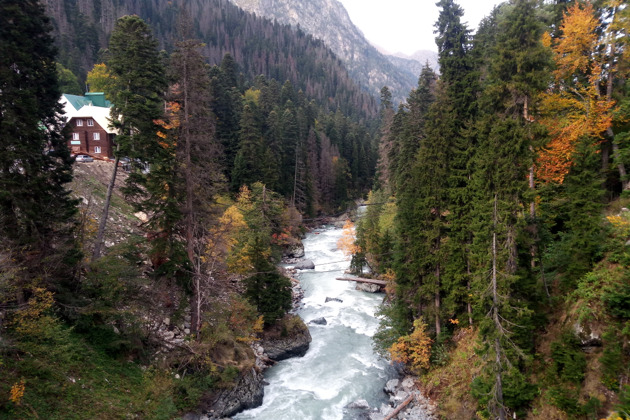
pixel 90 98
pixel 98 99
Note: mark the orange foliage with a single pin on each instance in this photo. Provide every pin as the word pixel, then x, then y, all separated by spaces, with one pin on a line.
pixel 390 278
pixel 413 350
pixel 282 238
pixel 570 112
pixel 17 392
pixel 171 123
pixel 346 243
pixel 572 50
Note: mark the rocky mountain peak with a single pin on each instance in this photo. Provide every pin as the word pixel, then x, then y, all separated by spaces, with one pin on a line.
pixel 329 21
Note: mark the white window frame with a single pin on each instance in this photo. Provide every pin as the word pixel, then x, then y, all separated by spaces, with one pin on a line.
pixel 90 122
pixel 75 136
pixel 97 149
pixel 79 122
pixel 96 136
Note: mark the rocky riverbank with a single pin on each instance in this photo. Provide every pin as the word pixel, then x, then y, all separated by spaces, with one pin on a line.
pixel 405 402
pixel 290 337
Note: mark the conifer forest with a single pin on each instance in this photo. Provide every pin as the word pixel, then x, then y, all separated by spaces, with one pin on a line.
pixel 496 206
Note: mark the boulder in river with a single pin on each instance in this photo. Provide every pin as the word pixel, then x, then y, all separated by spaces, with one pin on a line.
pixel 305 265
pixel 329 299
pixel 359 404
pixel 290 338
pixel 318 321
pixel 247 393
pixel 368 287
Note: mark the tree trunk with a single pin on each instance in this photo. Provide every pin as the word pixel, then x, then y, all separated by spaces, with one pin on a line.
pixel 498 385
pixel 469 303
pixel 295 174
pixel 101 226
pixel 532 187
pixel 498 389
pixel 195 303
pixel 438 323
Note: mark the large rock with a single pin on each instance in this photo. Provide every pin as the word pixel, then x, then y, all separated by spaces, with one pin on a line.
pixel 408 383
pixel 359 404
pixel 390 386
pixel 247 393
pixel 292 343
pixel 588 336
pixel 318 321
pixel 295 251
pixel 305 265
pixel 368 287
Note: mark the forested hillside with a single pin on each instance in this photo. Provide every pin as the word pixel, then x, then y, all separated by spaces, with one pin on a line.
pixel 157 315
pixel 259 46
pixel 500 215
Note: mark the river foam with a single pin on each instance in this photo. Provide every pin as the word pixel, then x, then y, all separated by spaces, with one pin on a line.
pixel 340 366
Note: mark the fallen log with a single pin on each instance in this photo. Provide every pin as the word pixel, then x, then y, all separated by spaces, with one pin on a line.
pixel 399 408
pixel 362 280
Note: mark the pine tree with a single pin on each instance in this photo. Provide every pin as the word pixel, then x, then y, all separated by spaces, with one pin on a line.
pixel 266 288
pixel 453 42
pixel 290 140
pixel 227 106
pixel 419 102
pixel 197 156
pixel 248 167
pixel 386 141
pixel 36 212
pixel 137 96
pixel 458 108
pixel 517 73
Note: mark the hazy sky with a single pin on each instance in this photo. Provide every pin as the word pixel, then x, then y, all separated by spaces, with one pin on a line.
pixel 407 25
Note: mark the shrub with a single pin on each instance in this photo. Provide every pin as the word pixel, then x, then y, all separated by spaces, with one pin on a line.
pixel 569 361
pixel 617 301
pixel 413 350
pixel 611 360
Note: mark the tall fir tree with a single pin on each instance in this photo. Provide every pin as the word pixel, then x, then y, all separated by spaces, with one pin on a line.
pixel 137 96
pixel 36 211
pixel 227 105
pixel 517 73
pixel 197 154
pixel 248 167
pixel 458 108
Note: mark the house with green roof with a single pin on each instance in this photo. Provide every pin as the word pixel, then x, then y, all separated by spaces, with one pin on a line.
pixel 88 116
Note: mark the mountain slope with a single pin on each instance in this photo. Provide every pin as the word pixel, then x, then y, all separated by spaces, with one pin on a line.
pixel 328 20
pixel 258 45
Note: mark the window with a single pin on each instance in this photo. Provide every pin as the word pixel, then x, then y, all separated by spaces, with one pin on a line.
pixel 79 123
pixel 75 136
pixel 97 149
pixel 97 136
pixel 90 122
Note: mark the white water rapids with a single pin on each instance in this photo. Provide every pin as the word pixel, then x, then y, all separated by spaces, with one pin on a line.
pixel 340 366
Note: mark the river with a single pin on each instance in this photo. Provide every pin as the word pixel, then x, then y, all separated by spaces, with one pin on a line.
pixel 340 366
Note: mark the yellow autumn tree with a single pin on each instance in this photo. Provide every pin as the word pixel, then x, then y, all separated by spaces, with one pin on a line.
pixel 573 107
pixel 234 225
pixel 347 243
pixel 413 350
pixel 100 79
